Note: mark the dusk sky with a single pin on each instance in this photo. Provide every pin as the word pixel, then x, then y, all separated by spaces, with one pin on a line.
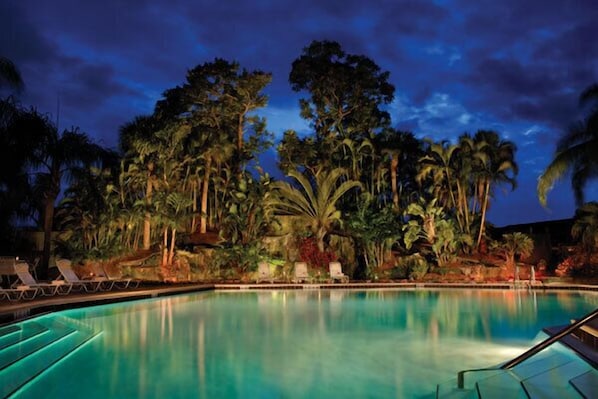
pixel 514 66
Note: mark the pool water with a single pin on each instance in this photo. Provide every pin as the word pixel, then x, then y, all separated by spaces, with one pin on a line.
pixel 299 344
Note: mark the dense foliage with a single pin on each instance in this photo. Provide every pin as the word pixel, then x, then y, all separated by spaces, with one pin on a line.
pixel 190 168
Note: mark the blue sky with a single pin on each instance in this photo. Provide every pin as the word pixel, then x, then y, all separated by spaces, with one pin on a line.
pixel 515 66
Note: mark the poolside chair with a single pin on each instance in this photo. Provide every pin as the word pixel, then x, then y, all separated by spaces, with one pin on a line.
pixel 336 272
pixel 26 280
pixel 300 273
pixel 263 272
pixel 122 283
pixel 17 294
pixel 90 285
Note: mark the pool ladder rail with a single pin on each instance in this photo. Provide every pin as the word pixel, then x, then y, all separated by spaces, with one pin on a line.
pixel 31 347
pixel 551 375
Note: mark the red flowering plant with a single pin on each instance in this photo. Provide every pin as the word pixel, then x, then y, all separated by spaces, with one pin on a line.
pixel 310 254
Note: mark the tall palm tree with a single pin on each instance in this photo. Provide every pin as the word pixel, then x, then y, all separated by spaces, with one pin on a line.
pixel 138 140
pixel 55 158
pixel 500 168
pixel 398 147
pixel 439 164
pixel 314 200
pixel 577 151
pixel 9 74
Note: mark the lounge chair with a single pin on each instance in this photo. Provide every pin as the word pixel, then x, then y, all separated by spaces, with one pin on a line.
pixel 17 294
pixel 300 274
pixel 336 272
pixel 100 274
pixel 90 285
pixel 263 272
pixel 45 289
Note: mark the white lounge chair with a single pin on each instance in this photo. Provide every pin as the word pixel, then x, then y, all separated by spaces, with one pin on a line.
pixel 300 273
pixel 100 274
pixel 336 272
pixel 45 289
pixel 17 294
pixel 91 285
pixel 263 272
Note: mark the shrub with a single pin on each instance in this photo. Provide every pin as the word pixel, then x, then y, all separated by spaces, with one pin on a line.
pixel 309 253
pixel 413 266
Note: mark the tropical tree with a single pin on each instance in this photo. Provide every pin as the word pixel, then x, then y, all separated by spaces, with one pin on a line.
pixel 375 232
pixel 345 107
pixel 463 176
pixel 346 91
pixel 513 245
pixel 499 168
pixel 217 103
pixel 576 152
pixel 429 224
pixel 401 150
pixel 139 143
pixel 55 158
pixel 10 75
pixel 19 132
pixel 314 200
pixel 439 166
pixel 585 226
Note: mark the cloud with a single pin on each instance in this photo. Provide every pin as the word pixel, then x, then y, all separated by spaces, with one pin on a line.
pixel 513 66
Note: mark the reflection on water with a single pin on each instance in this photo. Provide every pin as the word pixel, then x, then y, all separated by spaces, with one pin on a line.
pixel 300 344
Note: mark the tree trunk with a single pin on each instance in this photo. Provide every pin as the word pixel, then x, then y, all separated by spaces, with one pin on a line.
pixel 394 166
pixel 204 198
pixel 165 247
pixel 147 232
pixel 48 221
pixel 171 251
pixel 484 207
pixel 194 208
pixel 320 237
pixel 240 133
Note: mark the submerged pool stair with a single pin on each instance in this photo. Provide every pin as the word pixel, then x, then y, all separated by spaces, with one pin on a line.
pixel 542 372
pixel 29 348
pixel 554 376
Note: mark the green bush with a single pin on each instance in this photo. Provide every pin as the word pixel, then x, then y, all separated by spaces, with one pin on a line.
pixel 413 267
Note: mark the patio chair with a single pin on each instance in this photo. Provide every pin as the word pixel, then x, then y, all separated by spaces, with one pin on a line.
pixel 17 294
pixel 336 272
pixel 263 272
pixel 26 280
pixel 300 274
pixel 121 283
pixel 90 285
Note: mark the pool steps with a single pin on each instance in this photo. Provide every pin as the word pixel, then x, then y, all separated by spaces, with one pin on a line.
pixel 549 375
pixel 32 330
pixel 35 347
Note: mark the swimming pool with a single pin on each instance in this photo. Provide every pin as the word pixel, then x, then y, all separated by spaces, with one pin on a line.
pixel 292 344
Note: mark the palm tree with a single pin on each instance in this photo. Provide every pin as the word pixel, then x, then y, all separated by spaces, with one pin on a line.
pixel 577 151
pixel 439 163
pixel 585 227
pixel 138 140
pixel 55 158
pixel 514 244
pixel 314 200
pixel 397 146
pixel 10 75
pixel 500 168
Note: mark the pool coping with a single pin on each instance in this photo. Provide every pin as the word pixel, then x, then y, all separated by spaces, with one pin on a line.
pixel 18 311
pixel 14 312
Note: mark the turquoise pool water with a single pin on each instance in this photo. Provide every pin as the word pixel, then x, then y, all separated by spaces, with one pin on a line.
pixel 296 344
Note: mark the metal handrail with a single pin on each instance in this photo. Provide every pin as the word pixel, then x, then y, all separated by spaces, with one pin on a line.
pixel 533 350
